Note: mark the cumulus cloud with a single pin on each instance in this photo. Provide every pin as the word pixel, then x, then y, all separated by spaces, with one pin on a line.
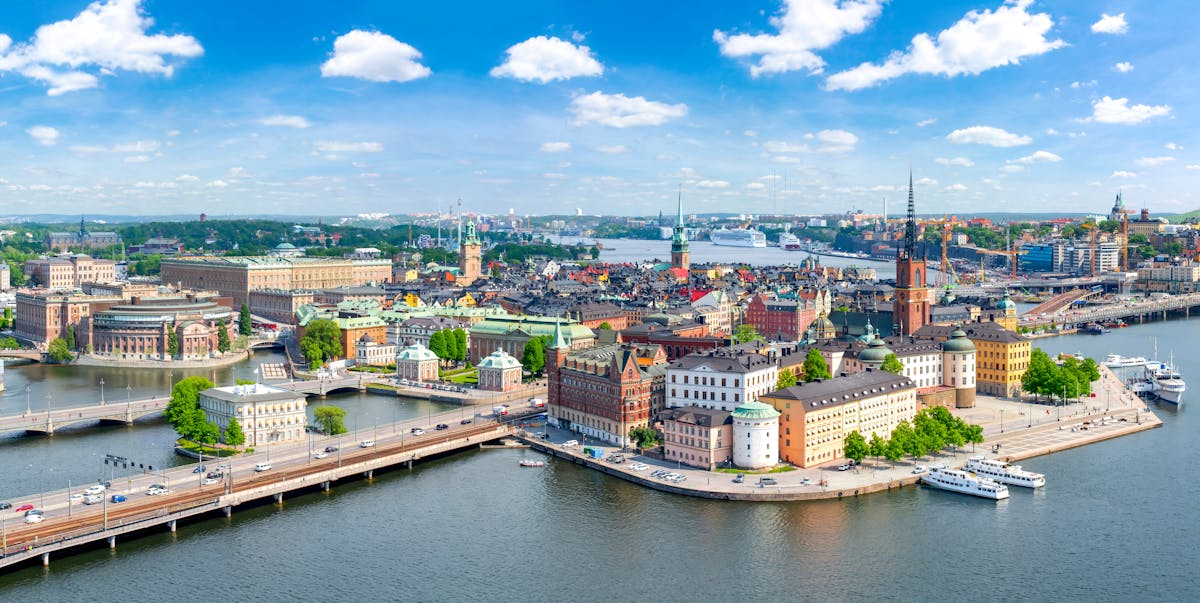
pixel 712 184
pixel 620 111
pixel 555 147
pixel 755 186
pixel 1012 168
pixel 959 161
pixel 374 56
pixel 1153 161
pixel 1110 24
pixel 44 135
pixel 1110 110
pixel 138 146
pixel 187 178
pixel 825 141
pixel 613 149
pixel 1170 146
pixel 349 147
pixel 105 38
pixel 981 40
pixel 750 134
pixel 926 182
pixel 927 122
pixel 217 184
pixel 544 59
pixel 988 135
pixel 1193 166
pixel 1123 174
pixel 955 188
pixel 1037 157
pixel 137 159
pixel 286 121
pixel 1123 67
pixel 804 26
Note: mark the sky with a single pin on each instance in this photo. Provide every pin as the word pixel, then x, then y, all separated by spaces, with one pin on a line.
pixel 155 107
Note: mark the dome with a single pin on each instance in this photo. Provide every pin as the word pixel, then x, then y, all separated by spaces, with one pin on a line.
pixel 755 410
pixel 823 327
pixel 1006 303
pixel 958 343
pixel 416 352
pixel 366 338
pixel 499 360
pixel 875 353
pixel 285 247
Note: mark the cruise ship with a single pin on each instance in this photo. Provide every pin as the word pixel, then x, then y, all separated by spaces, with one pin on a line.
pixel 965 483
pixel 789 241
pixel 1119 361
pixel 738 237
pixel 1004 473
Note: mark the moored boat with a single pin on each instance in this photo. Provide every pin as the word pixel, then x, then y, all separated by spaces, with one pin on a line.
pixel 532 463
pixel 738 237
pixel 1119 361
pixel 965 483
pixel 1004 473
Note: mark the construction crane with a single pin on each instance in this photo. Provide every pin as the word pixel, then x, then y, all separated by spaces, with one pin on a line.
pixel 946 278
pixel 1012 254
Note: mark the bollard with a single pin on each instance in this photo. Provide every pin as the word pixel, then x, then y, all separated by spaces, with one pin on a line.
pixel 370 473
pixel 325 486
pixel 171 525
pixel 228 511
pixel 46 559
pixel 112 542
pixel 278 498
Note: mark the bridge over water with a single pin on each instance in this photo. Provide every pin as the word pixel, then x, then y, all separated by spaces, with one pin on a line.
pixel 1139 311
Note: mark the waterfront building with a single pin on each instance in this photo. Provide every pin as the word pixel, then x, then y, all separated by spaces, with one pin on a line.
pixel 499 372
pixel 470 259
pixel 353 324
pixel 279 305
pixel 1001 356
pixel 817 416
pixel 721 379
pixel 755 436
pixel 141 328
pixel 1180 278
pixel 62 241
pixel 267 415
pixel 42 316
pixel 70 271
pixel 910 306
pixel 369 352
pixel 236 277
pixel 417 363
pixel 511 333
pixel 697 437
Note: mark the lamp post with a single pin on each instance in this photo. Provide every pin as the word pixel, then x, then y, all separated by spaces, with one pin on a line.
pixel 1001 420
pixel 102 391
pixel 128 400
pixel 28 410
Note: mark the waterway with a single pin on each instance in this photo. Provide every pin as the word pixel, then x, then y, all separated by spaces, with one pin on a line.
pixel 1115 522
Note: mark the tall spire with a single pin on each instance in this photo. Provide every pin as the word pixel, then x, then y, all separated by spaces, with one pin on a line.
pixel 559 342
pixel 910 227
pixel 679 208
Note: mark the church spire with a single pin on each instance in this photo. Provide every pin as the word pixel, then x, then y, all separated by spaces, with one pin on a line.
pixel 910 226
pixel 559 342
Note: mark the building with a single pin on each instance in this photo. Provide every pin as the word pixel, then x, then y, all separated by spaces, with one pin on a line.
pixel 63 241
pixel 5 277
pixel 681 257
pixel 417 363
pixel 470 258
pixel 499 372
pixel 368 352
pixel 602 392
pixel 715 310
pixel 70 271
pixel 142 328
pixel 781 320
pixel 511 333
pixel 755 436
pixel 910 307
pixel 678 340
pixel 594 314
pixel 280 305
pixel 817 416
pixel 42 316
pixel 721 379
pixel 267 415
pixel 1181 278
pixel 285 250
pixel 236 277
pixel 697 437
pixel 1001 356
pixel 353 324
pixel 420 329
pixel 158 246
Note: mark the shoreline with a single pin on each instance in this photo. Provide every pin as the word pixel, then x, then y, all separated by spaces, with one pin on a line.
pixel 228 359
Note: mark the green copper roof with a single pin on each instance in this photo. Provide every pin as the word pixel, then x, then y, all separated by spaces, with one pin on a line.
pixel 876 352
pixel 958 342
pixel 755 410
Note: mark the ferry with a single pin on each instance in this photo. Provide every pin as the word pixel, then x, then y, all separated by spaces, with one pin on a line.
pixel 965 483
pixel 1168 383
pixel 1004 473
pixel 1095 328
pixel 738 237
pixel 789 241
pixel 532 463
pixel 1119 361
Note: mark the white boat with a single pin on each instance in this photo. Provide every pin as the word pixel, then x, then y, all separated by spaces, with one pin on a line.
pixel 738 237
pixel 965 483
pixel 532 463
pixel 1004 473
pixel 789 241
pixel 1168 384
pixel 1119 361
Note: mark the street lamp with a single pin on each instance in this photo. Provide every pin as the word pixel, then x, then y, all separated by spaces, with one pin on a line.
pixel 1001 420
pixel 28 411
pixel 128 399
pixel 102 391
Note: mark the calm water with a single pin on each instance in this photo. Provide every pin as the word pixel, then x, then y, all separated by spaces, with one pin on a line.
pixel 1116 522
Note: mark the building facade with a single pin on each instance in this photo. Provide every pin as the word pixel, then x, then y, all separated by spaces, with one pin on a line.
pixel 499 372
pixel 417 363
pixel 70 272
pixel 236 277
pixel 267 415
pixel 697 437
pixel 142 328
pixel 1001 356
pixel 470 258
pixel 780 320
pixel 368 352
pixel 511 333
pixel 82 239
pixel 721 379
pixel 279 305
pixel 755 436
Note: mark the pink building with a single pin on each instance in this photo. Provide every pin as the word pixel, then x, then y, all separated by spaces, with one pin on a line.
pixel 697 437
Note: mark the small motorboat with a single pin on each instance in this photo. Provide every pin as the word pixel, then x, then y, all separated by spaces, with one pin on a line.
pixel 532 463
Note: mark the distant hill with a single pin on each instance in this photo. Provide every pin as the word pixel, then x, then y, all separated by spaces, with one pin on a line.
pixel 1191 215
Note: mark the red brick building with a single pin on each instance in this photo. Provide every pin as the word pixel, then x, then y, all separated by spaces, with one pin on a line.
pixel 677 341
pixel 781 320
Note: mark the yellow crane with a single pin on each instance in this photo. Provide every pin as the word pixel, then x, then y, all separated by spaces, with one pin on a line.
pixel 1012 254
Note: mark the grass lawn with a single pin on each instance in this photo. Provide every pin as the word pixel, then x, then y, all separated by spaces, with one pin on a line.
pixel 205 450
pixel 463 377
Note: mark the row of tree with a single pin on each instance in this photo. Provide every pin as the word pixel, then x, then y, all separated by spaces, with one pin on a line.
pixel 932 429
pixel 449 344
pixel 1070 379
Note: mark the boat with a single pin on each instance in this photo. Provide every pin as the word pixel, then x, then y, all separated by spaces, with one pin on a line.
pixel 965 483
pixel 795 247
pixel 1168 384
pixel 532 463
pixel 738 237
pixel 1119 361
pixel 1004 473
pixel 789 241
pixel 1095 328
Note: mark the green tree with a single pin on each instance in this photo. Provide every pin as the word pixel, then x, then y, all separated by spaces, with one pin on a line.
pixel 460 344
pixel 439 346
pixel 814 366
pixel 71 337
pixel 604 326
pixel 330 419
pixel 59 351
pixel 245 323
pixel 172 343
pixel 745 333
pixel 325 334
pixel 312 352
pixel 533 358
pixel 877 446
pixel 9 343
pixel 893 451
pixel 933 433
pixel 222 337
pixel 234 436
pixel 1042 377
pixel 856 447
pixel 786 379
pixel 185 397
pixel 205 431
pixel 907 438
pixel 644 437
pixel 892 364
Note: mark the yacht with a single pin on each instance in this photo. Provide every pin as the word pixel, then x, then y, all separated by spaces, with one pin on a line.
pixel 965 483
pixel 1004 473
pixel 1119 361
pixel 738 237
pixel 1167 383
pixel 531 463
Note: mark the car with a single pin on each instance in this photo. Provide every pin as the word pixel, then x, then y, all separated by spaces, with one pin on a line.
pixel 845 467
pixel 23 508
pixel 739 479
pixel 34 516
pixel 117 498
pixel 320 455
pixel 208 481
pixel 76 497
pixel 199 469
pixel 465 422
pixel 366 443
pixel 97 490
pixel 4 506
pixel 418 431
pixel 404 382
pixel 259 468
pixel 441 426
pixel 331 449
pixel 806 481
pixel 155 490
pixel 767 481
pixel 919 469
pixel 680 478
pixel 938 466
pixel 93 499
pixel 570 443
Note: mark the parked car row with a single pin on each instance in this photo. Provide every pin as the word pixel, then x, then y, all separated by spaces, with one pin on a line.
pixel 638 466
pixel 669 476
pixel 438 386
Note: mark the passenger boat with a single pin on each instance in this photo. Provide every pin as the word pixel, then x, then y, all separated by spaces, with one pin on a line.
pixel 1168 383
pixel 738 237
pixel 789 241
pixel 1095 328
pixel 532 463
pixel 1004 473
pixel 965 483
pixel 1119 361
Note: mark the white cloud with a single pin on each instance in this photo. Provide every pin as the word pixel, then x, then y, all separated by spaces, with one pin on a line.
pixel 44 135
pixel 1110 110
pixel 106 37
pixel 1153 161
pixel 238 172
pixel 750 134
pixel 981 40
pixel 712 184
pixel 620 111
pixel 1124 67
pixel 804 26
pixel 1051 132
pixel 1123 174
pixel 1012 169
pixel 830 141
pixel 927 122
pixel 545 59
pixel 286 121
pixel 780 146
pixel 555 147
pixel 1110 24
pixel 1193 166
pixel 349 147
pixel 1037 157
pixel 1170 146
pixel 554 176
pixel 755 186
pixel 187 178
pixel 613 149
pixel 926 182
pixel 988 135
pixel 138 146
pixel 137 159
pixel 1087 84
pixel 374 56
pixel 955 188
pixel 959 161
pixel 217 184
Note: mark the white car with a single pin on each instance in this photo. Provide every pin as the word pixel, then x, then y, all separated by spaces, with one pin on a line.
pixel 76 497
pixel 208 481
pixel 33 516
pixel 93 499
pixel 97 490
pixel 806 481
pixel 570 443
pixel 259 468
pixel 938 466
pixel 919 469
pixel 320 454
pixel 366 443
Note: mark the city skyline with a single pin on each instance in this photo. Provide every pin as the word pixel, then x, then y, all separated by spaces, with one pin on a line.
pixel 143 107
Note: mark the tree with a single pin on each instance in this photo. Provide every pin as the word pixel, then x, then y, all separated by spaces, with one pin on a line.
pixel 60 351
pixel 245 323
pixel 71 337
pixel 814 366
pixel 222 337
pixel 856 447
pixel 184 414
pixel 904 436
pixel 644 437
pixel 312 352
pixel 460 344
pixel 533 358
pixel 745 333
pixel 172 343
pixel 877 446
pixel 439 346
pixel 234 436
pixel 604 326
pixel 892 364
pixel 329 418
pixel 786 379
pixel 893 450
pixel 1042 376
pixel 325 334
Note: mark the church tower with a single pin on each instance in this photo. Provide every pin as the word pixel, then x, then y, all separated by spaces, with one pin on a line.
pixel 680 256
pixel 470 257
pixel 910 308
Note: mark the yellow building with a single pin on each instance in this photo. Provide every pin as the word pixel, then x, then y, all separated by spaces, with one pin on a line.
pixel 1001 355
pixel 816 417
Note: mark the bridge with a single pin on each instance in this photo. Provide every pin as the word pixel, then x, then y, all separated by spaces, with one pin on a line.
pixel 1139 310
pixel 293 468
pixel 321 387
pixel 24 354
pixel 1062 300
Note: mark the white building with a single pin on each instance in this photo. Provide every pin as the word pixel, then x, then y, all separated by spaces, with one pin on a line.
pixel 417 363
pixel 755 436
pixel 267 415
pixel 721 379
pixel 717 311
pixel 369 352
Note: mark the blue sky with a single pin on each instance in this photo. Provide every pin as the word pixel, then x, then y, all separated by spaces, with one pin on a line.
pixel 155 106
